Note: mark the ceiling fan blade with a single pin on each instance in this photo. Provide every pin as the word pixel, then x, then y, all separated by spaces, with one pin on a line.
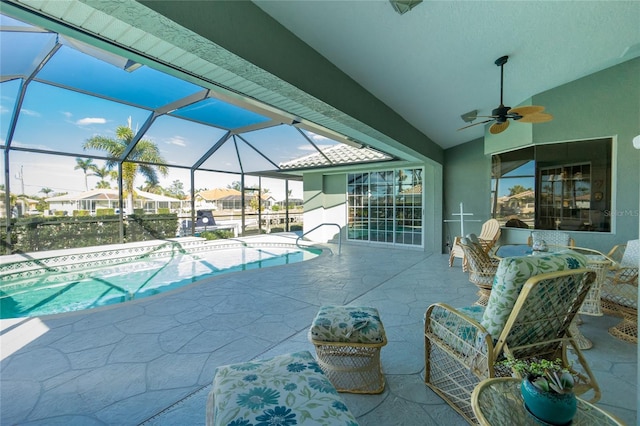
pixel 498 127
pixel 475 124
pixel 526 110
pixel 540 117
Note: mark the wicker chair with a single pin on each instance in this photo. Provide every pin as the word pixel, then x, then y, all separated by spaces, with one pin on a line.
pixel 555 240
pixel 489 235
pixel 526 319
pixel 619 293
pixel 481 267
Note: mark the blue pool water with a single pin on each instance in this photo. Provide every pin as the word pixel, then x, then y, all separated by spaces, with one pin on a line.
pixel 58 291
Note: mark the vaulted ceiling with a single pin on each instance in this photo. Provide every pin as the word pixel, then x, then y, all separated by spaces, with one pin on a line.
pixel 436 62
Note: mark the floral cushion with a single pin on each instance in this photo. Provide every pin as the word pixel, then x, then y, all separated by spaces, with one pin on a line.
pixel 285 390
pixel 459 335
pixel 348 324
pixel 510 277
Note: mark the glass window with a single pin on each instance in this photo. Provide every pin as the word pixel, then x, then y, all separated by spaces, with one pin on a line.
pixel 385 206
pixel 556 186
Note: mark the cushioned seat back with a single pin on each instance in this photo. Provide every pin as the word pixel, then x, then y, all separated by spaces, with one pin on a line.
pixel 631 255
pixel 551 238
pixel 510 277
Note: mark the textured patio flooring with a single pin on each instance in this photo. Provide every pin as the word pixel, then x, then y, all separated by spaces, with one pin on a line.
pixel 151 361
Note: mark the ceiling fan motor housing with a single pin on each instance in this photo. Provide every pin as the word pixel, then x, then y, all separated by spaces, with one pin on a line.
pixel 500 113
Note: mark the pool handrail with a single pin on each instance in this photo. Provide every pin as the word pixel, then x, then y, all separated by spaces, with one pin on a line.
pixel 323 224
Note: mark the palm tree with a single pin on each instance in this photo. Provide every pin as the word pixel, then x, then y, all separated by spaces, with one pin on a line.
pixel 46 191
pixel 102 173
pixel 84 164
pixel 151 187
pixel 145 151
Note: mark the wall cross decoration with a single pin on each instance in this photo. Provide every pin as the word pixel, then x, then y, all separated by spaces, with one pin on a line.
pixel 462 215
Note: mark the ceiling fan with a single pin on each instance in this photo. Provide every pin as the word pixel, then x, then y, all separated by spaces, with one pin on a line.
pixel 502 114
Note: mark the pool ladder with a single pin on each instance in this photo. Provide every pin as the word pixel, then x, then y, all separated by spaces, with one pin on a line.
pixel 323 224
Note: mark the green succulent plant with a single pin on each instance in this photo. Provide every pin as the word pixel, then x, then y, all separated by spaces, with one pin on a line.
pixel 548 376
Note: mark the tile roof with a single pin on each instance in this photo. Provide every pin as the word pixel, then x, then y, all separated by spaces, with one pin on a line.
pixel 337 154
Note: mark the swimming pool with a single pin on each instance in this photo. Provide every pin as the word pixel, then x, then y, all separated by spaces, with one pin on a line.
pixel 88 280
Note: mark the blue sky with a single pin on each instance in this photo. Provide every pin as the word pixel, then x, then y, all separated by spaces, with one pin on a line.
pixel 55 119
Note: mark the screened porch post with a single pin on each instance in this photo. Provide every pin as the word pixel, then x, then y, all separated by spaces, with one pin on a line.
pixel 286 204
pixel 120 203
pixel 7 200
pixel 193 201
pixel 242 220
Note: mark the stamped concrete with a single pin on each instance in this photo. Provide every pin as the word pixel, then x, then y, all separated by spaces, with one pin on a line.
pixel 151 361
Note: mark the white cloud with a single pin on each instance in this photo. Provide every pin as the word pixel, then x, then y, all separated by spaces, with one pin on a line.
pixel 309 147
pixel 319 137
pixel 29 112
pixel 90 120
pixel 67 114
pixel 177 140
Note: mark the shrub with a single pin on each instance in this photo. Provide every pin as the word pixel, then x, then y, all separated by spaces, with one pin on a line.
pixel 105 212
pixel 220 234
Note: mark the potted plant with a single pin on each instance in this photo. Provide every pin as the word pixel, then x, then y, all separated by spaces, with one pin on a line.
pixel 547 389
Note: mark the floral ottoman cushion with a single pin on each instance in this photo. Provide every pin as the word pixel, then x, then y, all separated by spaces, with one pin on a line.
pixel 348 324
pixel 285 390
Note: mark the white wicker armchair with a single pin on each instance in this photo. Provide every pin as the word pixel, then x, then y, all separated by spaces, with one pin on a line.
pixel 481 267
pixel 555 240
pixel 463 346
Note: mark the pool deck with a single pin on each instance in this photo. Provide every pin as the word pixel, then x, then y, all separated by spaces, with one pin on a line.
pixel 151 361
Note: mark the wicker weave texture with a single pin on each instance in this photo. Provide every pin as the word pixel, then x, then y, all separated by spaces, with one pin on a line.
pixel 482 268
pixel 351 367
pixel 620 295
pixel 459 353
pixel 498 402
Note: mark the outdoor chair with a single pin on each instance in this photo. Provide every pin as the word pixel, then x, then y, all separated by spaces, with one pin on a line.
pixel 489 235
pixel 554 240
pixel 619 293
pixel 532 303
pixel 481 267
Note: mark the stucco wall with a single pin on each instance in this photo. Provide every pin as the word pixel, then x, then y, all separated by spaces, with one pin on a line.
pixel 604 104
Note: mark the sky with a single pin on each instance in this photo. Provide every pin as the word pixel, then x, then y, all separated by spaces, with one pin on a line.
pixel 54 119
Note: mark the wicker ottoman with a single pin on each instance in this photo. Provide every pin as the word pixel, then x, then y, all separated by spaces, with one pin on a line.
pixel 348 341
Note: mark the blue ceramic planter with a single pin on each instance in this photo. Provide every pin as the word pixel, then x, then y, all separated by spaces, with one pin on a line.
pixel 551 408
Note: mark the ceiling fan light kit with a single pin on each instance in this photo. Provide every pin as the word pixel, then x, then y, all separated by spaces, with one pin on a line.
pixel 502 114
pixel 403 6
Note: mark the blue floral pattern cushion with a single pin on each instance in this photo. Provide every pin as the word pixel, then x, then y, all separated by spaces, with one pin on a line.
pixel 348 324
pixel 285 390
pixel 511 276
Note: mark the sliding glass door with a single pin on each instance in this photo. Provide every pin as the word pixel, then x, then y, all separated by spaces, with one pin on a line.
pixel 385 206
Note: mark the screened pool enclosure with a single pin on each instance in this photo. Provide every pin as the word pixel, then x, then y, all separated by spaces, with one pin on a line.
pixel 83 124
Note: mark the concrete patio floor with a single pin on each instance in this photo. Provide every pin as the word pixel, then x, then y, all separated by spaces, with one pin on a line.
pixel 151 361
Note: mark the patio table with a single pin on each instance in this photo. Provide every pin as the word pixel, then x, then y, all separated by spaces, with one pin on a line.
pixel 499 402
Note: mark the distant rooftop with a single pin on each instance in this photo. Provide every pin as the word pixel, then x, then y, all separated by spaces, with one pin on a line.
pixel 336 155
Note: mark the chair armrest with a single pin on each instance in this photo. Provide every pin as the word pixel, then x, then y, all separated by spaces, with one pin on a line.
pixel 462 336
pixel 621 286
pixel 617 252
pixel 625 275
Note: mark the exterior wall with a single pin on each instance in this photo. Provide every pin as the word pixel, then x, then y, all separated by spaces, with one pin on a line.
pixel 604 104
pixel 467 180
pixel 325 202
